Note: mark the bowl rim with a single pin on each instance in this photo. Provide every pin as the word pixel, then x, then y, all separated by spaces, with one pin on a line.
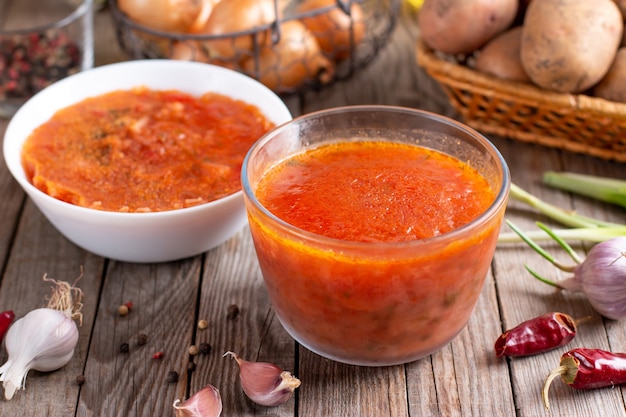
pixel 498 203
pixel 17 171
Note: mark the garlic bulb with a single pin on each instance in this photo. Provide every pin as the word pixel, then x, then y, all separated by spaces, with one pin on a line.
pixel 43 340
pixel 265 383
pixel 205 403
pixel 601 276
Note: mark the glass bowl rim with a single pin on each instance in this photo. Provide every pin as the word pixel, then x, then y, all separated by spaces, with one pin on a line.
pixel 499 201
pixel 78 12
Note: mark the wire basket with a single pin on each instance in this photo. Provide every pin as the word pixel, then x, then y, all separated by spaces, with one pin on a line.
pixel 378 17
pixel 574 122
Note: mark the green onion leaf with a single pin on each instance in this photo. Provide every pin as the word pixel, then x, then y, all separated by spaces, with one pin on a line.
pixel 609 190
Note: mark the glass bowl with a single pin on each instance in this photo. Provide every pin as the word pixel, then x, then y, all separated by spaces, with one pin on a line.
pixel 371 300
pixel 41 41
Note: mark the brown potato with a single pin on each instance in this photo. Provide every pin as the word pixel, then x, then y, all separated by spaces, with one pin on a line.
pixel 463 26
pixel 613 85
pixel 569 45
pixel 622 7
pixel 501 57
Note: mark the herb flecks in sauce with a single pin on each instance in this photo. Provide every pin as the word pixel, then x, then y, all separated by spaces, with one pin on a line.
pixel 143 150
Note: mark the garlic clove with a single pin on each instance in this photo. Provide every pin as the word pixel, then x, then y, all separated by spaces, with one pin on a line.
pixel 205 403
pixel 265 383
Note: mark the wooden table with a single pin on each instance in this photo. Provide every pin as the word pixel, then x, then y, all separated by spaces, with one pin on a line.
pixel 463 379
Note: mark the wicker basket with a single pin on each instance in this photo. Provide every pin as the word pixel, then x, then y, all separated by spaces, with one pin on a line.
pixel 577 123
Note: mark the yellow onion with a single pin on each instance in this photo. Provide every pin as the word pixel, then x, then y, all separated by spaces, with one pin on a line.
pixel 191 50
pixel 164 15
pixel 231 16
pixel 337 32
pixel 188 51
pixel 294 60
pixel 203 16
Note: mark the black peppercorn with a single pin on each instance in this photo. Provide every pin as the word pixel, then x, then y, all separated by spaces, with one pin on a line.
pixel 191 366
pixel 142 339
pixel 172 377
pixel 233 311
pixel 124 348
pixel 80 379
pixel 205 348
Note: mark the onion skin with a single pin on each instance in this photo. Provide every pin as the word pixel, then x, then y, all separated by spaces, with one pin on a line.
pixel 203 16
pixel 231 16
pixel 602 278
pixel 337 32
pixel 164 15
pixel 297 58
pixel 188 51
pixel 195 51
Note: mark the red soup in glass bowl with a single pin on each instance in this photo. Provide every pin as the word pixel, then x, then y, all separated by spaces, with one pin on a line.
pixel 374 227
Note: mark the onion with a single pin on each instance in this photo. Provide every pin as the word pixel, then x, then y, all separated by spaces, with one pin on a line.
pixel 294 60
pixel 338 33
pixel 195 51
pixel 164 15
pixel 203 16
pixel 232 16
pixel 188 51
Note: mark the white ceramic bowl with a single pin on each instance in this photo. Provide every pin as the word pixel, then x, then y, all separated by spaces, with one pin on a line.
pixel 140 237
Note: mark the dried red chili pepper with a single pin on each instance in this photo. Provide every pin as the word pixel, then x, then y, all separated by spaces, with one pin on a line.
pixel 588 369
pixel 6 318
pixel 537 335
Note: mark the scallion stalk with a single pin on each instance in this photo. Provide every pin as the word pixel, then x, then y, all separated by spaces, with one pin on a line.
pixel 582 227
pixel 591 234
pixel 609 190
pixel 565 217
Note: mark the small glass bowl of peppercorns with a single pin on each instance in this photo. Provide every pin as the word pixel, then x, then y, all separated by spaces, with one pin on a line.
pixel 41 42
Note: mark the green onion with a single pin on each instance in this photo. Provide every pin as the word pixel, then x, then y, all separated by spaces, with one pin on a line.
pixel 581 227
pixel 590 234
pixel 565 217
pixel 609 190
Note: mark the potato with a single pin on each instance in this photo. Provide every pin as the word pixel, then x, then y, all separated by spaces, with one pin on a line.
pixel 622 7
pixel 501 56
pixel 613 85
pixel 463 26
pixel 569 45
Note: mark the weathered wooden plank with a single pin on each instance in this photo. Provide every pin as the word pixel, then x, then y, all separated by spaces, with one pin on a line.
pixel 39 249
pixel 232 282
pixel 522 297
pixel 10 203
pixel 133 383
pixel 335 389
